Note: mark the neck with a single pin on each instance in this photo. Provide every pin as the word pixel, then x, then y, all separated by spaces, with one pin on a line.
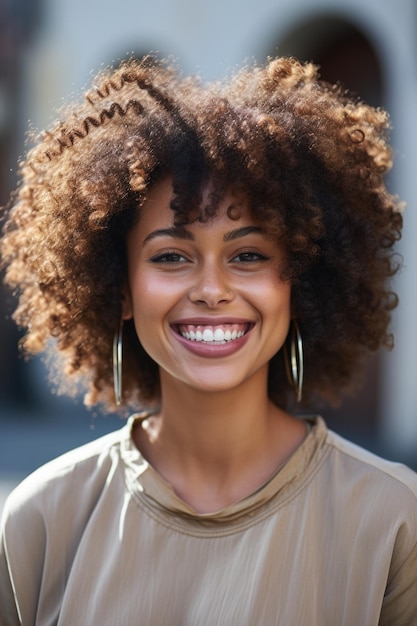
pixel 219 424
pixel 217 447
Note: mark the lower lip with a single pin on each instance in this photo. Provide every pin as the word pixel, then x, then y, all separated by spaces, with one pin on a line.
pixel 212 350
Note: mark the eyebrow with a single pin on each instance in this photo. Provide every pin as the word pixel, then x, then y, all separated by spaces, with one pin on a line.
pixel 242 232
pixel 183 233
pixel 174 231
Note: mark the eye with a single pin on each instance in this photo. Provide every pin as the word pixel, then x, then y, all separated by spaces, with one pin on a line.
pixel 249 256
pixel 168 257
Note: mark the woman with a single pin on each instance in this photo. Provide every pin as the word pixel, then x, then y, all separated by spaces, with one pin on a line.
pixel 219 255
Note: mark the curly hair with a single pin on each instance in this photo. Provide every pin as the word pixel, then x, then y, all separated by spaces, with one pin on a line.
pixel 310 159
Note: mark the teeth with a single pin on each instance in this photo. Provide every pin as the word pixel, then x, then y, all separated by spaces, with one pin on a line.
pixel 219 334
pixel 208 335
pixel 211 334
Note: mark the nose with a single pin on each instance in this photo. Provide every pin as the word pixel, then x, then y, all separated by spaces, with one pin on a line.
pixel 211 287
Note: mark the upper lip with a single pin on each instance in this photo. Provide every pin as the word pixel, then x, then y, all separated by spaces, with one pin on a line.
pixel 211 321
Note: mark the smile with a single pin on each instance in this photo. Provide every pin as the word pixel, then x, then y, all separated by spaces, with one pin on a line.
pixel 213 335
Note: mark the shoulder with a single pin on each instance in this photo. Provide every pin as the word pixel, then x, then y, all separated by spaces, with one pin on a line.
pixel 365 486
pixel 87 465
pixel 365 500
pixel 368 488
pixel 361 462
pixel 47 514
pixel 376 501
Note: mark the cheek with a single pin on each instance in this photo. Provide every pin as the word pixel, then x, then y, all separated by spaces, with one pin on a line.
pixel 277 313
pixel 152 298
pixel 284 297
pixel 148 317
pixel 148 303
pixel 272 295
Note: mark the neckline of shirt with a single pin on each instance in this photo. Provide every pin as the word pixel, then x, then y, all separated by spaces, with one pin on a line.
pixel 158 499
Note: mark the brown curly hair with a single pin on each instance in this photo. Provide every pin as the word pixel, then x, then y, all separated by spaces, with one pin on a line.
pixel 309 158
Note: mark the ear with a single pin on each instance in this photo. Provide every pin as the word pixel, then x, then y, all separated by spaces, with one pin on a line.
pixel 127 305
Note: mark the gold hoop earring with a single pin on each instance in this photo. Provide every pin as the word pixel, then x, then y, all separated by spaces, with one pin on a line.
pixel 294 362
pixel 117 363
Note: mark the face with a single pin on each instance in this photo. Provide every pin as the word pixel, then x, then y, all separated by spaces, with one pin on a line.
pixel 207 301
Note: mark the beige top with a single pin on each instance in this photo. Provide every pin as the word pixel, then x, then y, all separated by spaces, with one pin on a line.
pixel 96 537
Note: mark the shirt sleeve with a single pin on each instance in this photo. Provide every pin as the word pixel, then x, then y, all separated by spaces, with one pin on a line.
pixel 8 609
pixel 400 601
pixel 22 557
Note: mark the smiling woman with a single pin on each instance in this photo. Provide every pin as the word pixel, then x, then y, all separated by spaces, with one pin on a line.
pixel 209 290
pixel 230 246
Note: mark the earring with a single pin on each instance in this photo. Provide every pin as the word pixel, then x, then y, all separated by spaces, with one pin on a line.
pixel 117 363
pixel 294 364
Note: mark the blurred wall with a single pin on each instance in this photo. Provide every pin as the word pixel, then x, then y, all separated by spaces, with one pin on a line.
pixel 54 46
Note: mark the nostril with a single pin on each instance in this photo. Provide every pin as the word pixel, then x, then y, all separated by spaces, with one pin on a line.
pixel 210 295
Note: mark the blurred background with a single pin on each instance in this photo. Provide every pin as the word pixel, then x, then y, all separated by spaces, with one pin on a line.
pixel 49 50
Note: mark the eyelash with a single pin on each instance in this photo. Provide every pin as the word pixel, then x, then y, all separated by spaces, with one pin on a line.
pixel 166 257
pixel 171 257
pixel 252 253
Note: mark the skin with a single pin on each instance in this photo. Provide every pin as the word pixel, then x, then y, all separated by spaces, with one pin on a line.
pixel 227 438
